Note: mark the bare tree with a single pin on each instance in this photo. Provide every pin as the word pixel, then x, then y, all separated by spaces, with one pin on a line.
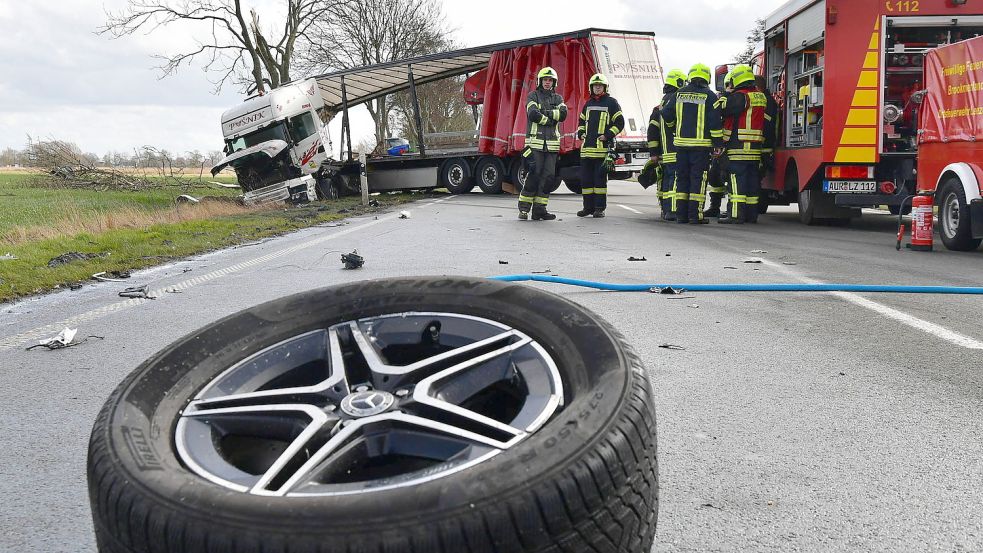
pixel 442 109
pixel 369 32
pixel 238 49
pixel 753 40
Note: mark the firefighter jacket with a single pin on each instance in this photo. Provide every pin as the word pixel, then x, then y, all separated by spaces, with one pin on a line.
pixel 661 134
pixel 743 112
pixel 772 126
pixel 696 117
pixel 545 110
pixel 601 116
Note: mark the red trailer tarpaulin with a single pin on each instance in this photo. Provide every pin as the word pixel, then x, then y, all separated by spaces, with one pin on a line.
pixel 512 75
pixel 953 108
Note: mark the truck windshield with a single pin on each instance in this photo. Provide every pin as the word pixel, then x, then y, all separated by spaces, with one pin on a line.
pixel 273 132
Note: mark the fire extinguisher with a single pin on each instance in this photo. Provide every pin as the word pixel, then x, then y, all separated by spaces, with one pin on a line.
pixel 921 222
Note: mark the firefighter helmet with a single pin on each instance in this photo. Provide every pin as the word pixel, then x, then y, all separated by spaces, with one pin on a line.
pixel 597 78
pixel 547 73
pixel 676 78
pixel 729 79
pixel 741 74
pixel 699 71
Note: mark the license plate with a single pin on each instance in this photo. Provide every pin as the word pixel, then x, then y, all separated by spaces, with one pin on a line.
pixel 640 155
pixel 850 186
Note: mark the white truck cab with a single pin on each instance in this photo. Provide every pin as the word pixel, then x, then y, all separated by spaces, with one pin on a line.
pixel 278 143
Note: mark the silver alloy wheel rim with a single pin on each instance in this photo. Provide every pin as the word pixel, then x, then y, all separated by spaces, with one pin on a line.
pixel 950 216
pixel 456 175
pixel 433 394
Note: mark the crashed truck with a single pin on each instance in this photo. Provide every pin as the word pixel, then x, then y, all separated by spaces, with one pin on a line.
pixel 280 148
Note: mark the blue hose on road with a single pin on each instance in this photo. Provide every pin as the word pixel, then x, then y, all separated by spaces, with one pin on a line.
pixel 866 288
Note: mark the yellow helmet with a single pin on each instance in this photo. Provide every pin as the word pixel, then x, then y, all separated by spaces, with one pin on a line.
pixel 597 78
pixel 676 78
pixel 741 74
pixel 699 71
pixel 729 79
pixel 547 72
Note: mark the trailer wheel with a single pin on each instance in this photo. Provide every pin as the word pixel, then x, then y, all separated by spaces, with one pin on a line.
pixel 518 172
pixel 955 226
pixel 490 173
pixel 327 188
pixel 455 176
pixel 434 415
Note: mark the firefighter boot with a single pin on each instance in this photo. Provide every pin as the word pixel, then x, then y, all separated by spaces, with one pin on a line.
pixel 696 214
pixel 682 211
pixel 714 209
pixel 588 206
pixel 539 213
pixel 523 215
pixel 598 213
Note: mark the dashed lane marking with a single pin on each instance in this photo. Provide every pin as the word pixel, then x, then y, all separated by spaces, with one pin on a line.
pixel 633 210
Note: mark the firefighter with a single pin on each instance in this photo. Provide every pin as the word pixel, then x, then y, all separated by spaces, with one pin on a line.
pixel 744 109
pixel 661 148
pixel 699 136
pixel 772 130
pixel 718 178
pixel 600 121
pixel 545 110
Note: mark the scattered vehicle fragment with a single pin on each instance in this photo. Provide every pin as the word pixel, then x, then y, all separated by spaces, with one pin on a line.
pixel 633 258
pixel 141 291
pixel 352 260
pixel 404 214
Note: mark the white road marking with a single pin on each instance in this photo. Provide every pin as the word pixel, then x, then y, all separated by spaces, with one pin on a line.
pixel 161 293
pixel 633 210
pixel 922 325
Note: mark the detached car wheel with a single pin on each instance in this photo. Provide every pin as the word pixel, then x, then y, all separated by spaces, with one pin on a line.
pixel 403 415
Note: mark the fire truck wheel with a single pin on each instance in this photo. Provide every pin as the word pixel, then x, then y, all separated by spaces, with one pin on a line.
pixel 490 173
pixel 955 226
pixel 762 205
pixel 455 176
pixel 807 207
pixel 435 415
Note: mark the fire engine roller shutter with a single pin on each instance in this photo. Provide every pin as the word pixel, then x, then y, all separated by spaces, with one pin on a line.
pixel 807 27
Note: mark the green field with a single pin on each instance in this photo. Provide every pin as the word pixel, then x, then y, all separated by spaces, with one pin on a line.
pixel 124 230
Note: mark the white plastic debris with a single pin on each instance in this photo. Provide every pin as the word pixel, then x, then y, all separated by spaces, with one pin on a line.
pixel 8 257
pixel 63 339
pixel 404 214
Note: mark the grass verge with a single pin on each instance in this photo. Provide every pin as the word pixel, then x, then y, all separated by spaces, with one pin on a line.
pixel 120 233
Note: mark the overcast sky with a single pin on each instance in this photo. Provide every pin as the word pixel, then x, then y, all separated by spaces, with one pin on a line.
pixel 62 80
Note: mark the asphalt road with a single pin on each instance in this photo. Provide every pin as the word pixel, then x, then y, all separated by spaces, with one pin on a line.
pixel 789 421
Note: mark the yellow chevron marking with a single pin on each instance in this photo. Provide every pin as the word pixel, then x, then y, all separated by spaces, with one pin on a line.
pixel 868 79
pixel 862 136
pixel 854 154
pixel 865 98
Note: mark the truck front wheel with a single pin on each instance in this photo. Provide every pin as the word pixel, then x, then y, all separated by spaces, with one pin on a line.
pixel 955 225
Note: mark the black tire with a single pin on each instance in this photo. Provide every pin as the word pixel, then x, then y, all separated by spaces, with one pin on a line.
pixel 763 204
pixel 455 176
pixel 584 481
pixel 896 209
pixel 955 225
pixel 489 173
pixel 327 188
pixel 518 173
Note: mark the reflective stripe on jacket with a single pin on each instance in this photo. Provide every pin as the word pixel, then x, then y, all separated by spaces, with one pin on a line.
pixel 601 116
pixel 544 111
pixel 696 117
pixel 744 113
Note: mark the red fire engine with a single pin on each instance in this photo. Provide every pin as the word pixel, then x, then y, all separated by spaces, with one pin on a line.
pixel 846 74
pixel 949 149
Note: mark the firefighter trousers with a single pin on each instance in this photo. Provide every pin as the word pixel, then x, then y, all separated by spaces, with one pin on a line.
pixel 594 183
pixel 542 171
pixel 744 190
pixel 667 188
pixel 692 169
